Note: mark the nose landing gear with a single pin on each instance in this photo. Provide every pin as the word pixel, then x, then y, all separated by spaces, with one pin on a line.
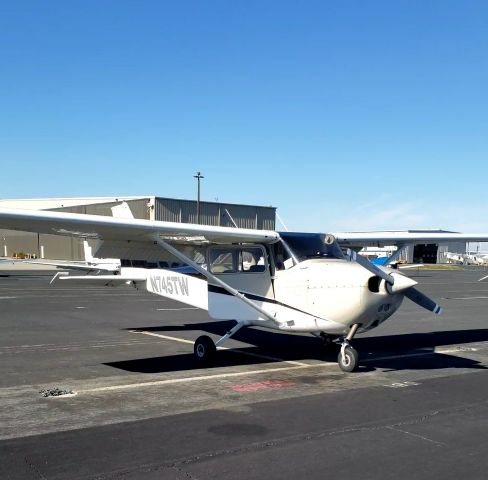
pixel 348 358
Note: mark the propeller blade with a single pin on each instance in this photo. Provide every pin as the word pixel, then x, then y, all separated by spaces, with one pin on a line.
pixel 395 282
pixel 364 262
pixel 423 300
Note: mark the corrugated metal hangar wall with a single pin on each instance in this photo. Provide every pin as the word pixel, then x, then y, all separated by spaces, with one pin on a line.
pixel 220 214
pixel 150 207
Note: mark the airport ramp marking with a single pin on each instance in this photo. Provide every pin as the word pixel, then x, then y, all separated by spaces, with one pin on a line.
pixel 172 381
pixel 237 350
pixel 236 374
pixel 265 385
pixel 51 347
pixel 466 298
pixel 176 309
pixel 202 377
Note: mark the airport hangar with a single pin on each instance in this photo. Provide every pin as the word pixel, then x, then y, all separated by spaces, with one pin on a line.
pixel 170 210
pixel 421 253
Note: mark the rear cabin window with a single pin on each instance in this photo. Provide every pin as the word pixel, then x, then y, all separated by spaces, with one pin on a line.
pixel 237 260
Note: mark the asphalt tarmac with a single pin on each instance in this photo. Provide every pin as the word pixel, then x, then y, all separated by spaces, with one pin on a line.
pixel 136 405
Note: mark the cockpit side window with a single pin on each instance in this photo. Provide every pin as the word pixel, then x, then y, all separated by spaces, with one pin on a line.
pixel 251 259
pixel 237 259
pixel 223 260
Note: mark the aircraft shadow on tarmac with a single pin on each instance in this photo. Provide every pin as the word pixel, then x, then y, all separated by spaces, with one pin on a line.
pixel 375 352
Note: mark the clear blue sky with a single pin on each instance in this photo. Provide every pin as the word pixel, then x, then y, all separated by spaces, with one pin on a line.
pixel 345 115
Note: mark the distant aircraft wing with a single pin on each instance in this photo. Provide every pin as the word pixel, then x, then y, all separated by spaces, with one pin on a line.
pixel 382 239
pixel 412 265
pixel 127 229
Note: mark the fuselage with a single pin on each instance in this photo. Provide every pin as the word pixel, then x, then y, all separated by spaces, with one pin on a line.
pixel 337 290
pixel 316 295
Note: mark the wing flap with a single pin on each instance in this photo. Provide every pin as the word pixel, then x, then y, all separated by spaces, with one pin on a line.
pixel 128 276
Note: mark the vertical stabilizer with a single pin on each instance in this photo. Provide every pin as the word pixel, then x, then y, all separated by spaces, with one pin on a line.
pixel 88 251
pixel 91 248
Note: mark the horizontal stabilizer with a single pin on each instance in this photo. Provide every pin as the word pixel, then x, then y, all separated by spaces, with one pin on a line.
pixel 137 275
pixel 83 266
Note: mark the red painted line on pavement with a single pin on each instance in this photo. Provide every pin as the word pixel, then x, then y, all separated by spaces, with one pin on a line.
pixel 267 384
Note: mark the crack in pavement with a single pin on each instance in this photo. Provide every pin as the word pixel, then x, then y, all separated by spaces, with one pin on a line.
pixel 34 469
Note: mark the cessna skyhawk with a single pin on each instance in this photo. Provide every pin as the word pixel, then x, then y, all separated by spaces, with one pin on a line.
pixel 292 282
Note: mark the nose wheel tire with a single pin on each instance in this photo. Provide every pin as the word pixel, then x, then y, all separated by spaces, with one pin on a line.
pixel 348 359
pixel 204 349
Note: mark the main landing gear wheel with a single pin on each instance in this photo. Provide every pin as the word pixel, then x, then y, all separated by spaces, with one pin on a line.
pixel 204 349
pixel 348 359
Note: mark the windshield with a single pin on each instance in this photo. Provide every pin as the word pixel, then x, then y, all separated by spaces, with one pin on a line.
pixel 310 245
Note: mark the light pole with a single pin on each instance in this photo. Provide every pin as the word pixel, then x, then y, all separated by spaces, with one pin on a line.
pixel 198 176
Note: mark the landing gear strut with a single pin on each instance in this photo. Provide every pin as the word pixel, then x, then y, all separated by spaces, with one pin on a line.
pixel 204 347
pixel 348 358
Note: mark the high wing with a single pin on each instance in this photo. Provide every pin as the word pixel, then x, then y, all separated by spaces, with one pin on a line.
pixel 127 229
pixel 381 239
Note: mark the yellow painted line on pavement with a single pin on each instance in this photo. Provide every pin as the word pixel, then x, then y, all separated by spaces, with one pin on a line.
pixel 255 355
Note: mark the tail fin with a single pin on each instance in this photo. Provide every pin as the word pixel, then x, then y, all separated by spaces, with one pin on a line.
pixel 121 210
pixel 88 251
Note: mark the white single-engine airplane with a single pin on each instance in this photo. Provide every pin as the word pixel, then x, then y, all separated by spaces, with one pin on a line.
pixel 292 282
pixel 467 258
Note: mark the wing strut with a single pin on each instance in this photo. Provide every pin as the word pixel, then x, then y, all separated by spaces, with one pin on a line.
pixel 396 255
pixel 169 248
